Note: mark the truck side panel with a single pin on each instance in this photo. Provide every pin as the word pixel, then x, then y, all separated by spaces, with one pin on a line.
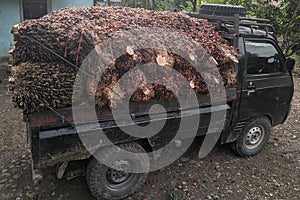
pixel 51 147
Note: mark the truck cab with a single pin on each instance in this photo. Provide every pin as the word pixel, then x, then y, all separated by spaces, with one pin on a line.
pixel 265 89
pixel 265 84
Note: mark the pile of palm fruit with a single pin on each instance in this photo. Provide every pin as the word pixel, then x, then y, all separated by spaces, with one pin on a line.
pixel 43 78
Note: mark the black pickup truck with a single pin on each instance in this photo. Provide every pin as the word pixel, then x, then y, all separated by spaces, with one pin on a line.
pixel 261 100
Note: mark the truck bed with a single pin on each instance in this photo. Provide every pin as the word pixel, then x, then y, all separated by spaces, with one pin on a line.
pixel 54 140
pixel 62 117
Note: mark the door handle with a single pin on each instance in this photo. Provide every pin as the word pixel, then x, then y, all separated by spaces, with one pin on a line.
pixel 250 91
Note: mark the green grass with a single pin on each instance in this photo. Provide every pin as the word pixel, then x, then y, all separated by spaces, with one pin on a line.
pixel 175 194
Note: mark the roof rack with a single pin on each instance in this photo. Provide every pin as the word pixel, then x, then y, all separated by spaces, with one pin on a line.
pixel 235 22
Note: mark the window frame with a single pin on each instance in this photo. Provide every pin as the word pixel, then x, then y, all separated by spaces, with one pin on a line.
pixel 264 40
pixel 21 9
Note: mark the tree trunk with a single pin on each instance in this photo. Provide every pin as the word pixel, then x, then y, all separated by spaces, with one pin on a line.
pixel 194 5
pixel 144 3
pixel 153 4
pixel 123 3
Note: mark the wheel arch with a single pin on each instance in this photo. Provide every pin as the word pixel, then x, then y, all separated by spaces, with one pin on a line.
pixel 243 145
pixel 269 117
pixel 234 132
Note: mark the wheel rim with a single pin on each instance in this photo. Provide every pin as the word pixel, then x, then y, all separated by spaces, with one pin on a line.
pixel 118 178
pixel 254 137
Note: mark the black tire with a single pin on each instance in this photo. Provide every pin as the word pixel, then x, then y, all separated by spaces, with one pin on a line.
pixel 222 10
pixel 253 138
pixel 100 177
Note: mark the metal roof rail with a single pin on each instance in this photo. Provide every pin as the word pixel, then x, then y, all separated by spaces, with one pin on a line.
pixel 237 21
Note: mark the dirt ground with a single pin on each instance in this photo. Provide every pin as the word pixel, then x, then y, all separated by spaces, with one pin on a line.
pixel 273 174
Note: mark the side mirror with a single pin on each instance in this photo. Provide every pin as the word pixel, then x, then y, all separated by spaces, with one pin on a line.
pixel 290 64
pixel 271 60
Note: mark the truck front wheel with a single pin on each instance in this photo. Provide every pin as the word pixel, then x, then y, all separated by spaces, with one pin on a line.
pixel 253 138
pixel 109 183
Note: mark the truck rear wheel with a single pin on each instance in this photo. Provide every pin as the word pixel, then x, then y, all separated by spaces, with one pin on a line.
pixel 253 138
pixel 108 183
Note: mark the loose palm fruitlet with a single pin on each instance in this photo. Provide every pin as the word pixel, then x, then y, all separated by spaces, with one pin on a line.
pixel 42 78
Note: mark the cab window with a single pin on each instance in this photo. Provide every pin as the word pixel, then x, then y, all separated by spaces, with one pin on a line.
pixel 262 58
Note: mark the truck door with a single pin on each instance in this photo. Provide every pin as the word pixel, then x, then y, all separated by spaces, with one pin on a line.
pixel 267 88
